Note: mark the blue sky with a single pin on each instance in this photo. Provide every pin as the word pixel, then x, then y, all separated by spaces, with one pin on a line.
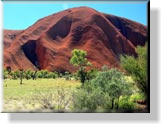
pixel 22 15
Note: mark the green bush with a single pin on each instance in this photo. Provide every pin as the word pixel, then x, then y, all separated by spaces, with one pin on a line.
pixel 17 73
pixel 91 74
pixel 52 75
pixel 13 75
pixel 67 75
pixel 112 82
pixel 42 74
pixel 5 74
pixel 75 76
pixel 102 92
pixel 137 67
pixel 86 100
pixel 28 74
pixel 104 68
pixel 126 105
pixel 137 96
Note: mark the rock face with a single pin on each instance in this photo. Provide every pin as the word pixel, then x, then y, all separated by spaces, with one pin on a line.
pixel 48 43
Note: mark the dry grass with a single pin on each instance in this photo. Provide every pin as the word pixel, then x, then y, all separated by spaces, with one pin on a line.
pixel 41 95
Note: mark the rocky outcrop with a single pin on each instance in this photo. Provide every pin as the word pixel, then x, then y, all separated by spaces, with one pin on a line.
pixel 48 43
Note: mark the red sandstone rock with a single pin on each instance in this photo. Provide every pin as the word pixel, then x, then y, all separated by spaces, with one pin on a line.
pixel 48 43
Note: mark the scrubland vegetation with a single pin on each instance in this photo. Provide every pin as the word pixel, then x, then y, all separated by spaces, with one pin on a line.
pixel 94 90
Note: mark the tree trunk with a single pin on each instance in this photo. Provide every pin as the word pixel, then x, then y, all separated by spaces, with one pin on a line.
pixel 21 78
pixel 34 76
pixel 117 104
pixel 112 102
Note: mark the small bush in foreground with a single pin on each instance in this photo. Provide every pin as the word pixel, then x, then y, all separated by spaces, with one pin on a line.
pixel 137 97
pixel 88 100
pixel 125 105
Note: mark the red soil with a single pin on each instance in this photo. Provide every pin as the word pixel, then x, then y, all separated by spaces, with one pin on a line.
pixel 48 43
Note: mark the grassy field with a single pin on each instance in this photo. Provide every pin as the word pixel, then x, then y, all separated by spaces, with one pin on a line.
pixel 50 95
pixel 41 95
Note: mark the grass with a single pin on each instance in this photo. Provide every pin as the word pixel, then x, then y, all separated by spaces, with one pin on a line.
pixel 49 95
pixel 38 95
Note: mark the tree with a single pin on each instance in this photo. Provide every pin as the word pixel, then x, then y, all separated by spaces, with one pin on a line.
pixel 21 76
pixel 103 92
pixel 137 67
pixel 79 59
pixel 8 68
pixel 113 83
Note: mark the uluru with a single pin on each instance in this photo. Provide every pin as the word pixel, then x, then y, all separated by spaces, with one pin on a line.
pixel 48 43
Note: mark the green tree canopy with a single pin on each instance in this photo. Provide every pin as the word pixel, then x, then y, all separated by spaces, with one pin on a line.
pixel 79 59
pixel 137 67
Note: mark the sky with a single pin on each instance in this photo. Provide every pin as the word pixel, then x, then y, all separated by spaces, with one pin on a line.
pixel 19 16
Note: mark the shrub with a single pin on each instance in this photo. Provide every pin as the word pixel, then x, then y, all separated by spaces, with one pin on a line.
pixel 75 76
pixel 60 75
pixel 17 73
pixel 67 75
pixel 125 105
pixel 102 92
pixel 104 68
pixel 54 101
pixel 28 74
pixel 51 75
pixel 137 96
pixel 39 74
pixel 13 75
pixel 46 74
pixel 113 82
pixel 86 100
pixel 137 67
pixel 91 74
pixel 42 74
pixel 5 74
